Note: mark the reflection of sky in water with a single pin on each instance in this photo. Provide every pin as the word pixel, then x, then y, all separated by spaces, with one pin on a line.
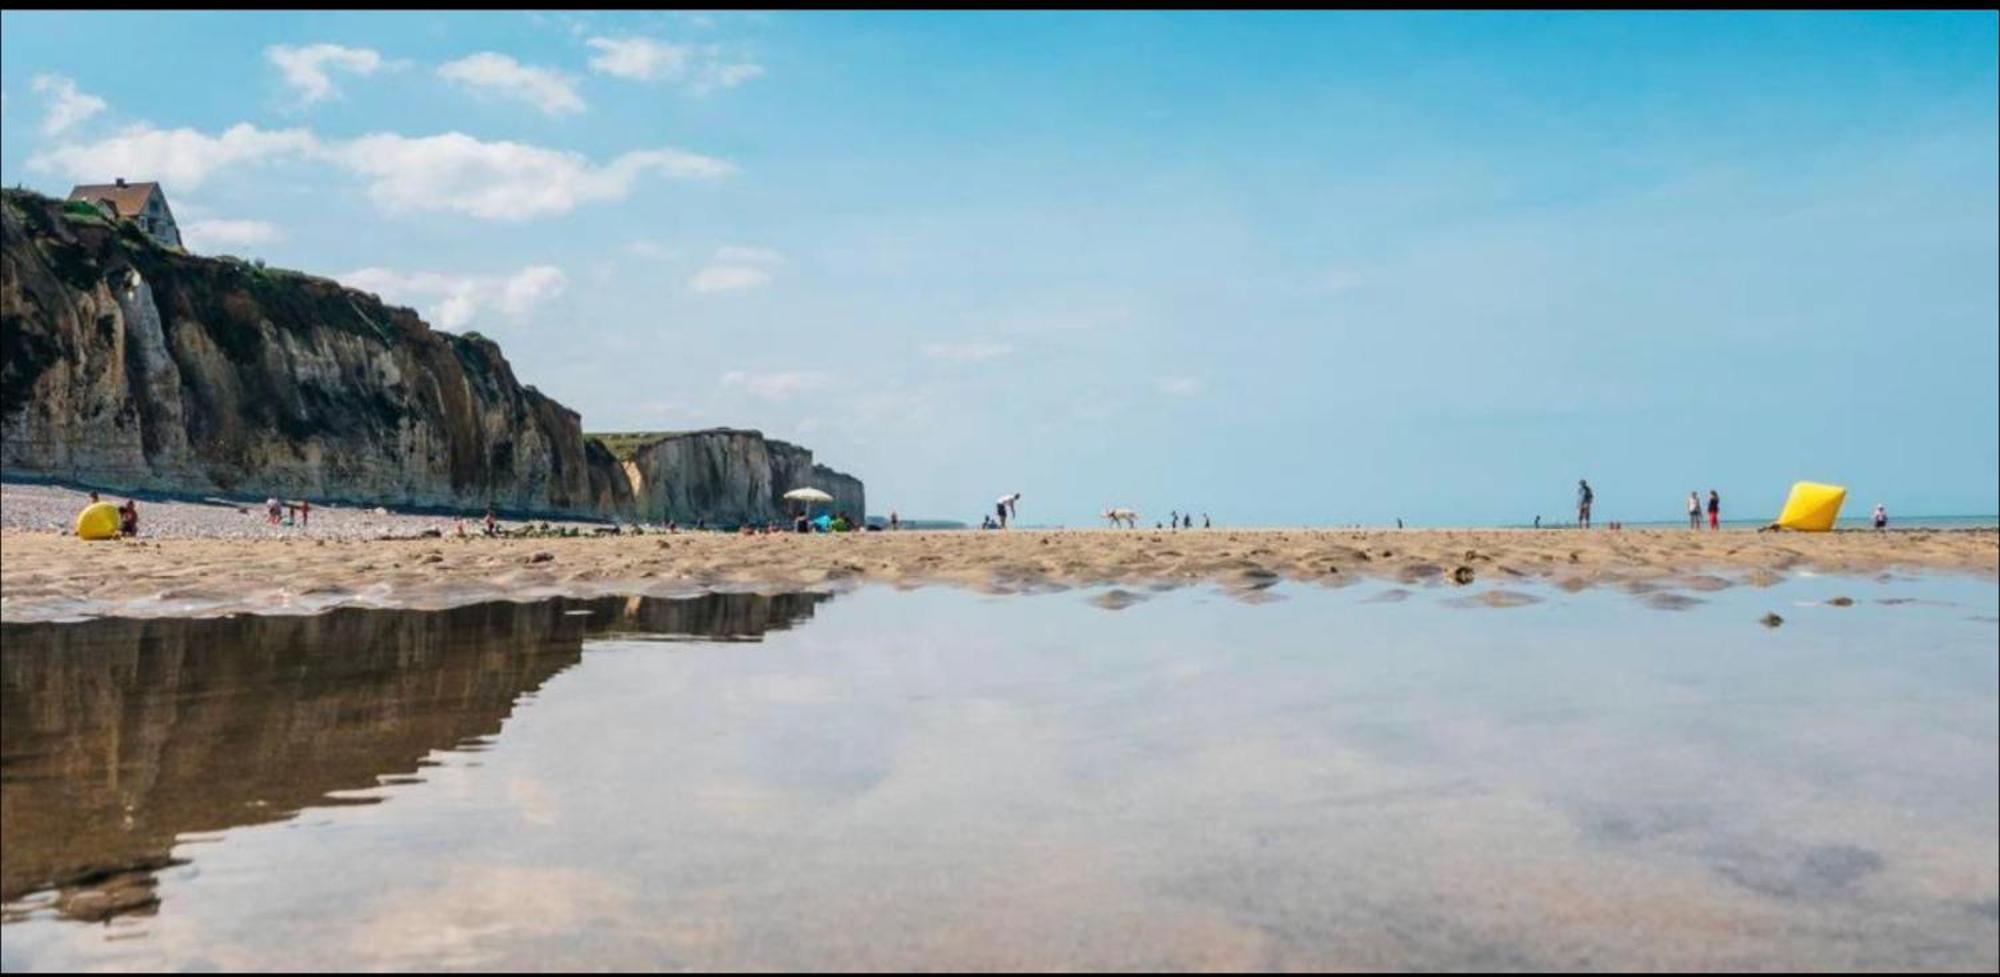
pixel 934 777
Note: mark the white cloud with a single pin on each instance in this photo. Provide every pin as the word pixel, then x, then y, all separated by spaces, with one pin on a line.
pixel 776 386
pixel 639 58
pixel 966 352
pixel 714 76
pixel 67 106
pixel 528 287
pixel 736 267
pixel 449 302
pixel 503 180
pixel 1179 386
pixel 306 68
pixel 551 91
pixel 452 172
pixel 728 278
pixel 699 69
pixel 652 250
pixel 746 254
pixel 207 236
pixel 180 158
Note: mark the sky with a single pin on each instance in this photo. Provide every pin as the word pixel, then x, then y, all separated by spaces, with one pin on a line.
pixel 1281 268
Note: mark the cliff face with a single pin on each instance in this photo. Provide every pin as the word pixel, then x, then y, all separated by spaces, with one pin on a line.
pixel 730 477
pixel 130 366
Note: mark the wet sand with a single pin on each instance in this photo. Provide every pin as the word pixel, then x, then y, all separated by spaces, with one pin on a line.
pixel 49 576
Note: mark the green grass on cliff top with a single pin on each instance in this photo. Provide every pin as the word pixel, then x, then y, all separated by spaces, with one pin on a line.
pixel 625 445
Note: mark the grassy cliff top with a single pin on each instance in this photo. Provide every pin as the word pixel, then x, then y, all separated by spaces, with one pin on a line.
pixel 625 445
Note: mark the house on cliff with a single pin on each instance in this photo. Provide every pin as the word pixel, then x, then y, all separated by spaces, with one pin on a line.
pixel 144 204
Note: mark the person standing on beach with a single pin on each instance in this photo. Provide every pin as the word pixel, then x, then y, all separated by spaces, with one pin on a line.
pixel 1204 521
pixel 1005 508
pixel 1584 496
pixel 893 524
pixel 1714 510
pixel 1881 517
pixel 1694 510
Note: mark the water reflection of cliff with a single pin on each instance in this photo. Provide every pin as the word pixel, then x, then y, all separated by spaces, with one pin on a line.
pixel 122 735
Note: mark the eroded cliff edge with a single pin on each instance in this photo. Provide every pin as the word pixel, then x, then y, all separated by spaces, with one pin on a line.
pixel 726 476
pixel 128 366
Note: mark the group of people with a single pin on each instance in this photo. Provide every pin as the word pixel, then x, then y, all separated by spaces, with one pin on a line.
pixel 282 513
pixel 1714 510
pixel 1695 508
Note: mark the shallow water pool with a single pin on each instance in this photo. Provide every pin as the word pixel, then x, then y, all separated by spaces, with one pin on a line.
pixel 1305 779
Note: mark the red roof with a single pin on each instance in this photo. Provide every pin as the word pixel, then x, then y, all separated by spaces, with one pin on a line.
pixel 130 199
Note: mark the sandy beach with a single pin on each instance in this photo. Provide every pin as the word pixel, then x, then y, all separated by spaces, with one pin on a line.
pixel 48 575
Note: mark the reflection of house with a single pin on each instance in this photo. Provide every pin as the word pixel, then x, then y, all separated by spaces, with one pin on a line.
pixel 144 204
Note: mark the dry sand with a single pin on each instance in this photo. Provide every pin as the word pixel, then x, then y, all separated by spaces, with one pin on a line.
pixel 48 575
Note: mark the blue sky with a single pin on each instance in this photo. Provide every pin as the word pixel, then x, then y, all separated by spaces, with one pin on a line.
pixel 1280 268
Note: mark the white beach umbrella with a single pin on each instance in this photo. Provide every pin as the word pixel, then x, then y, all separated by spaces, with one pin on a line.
pixel 808 496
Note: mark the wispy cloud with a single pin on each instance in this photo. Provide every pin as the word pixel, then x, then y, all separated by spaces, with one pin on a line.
pixel 652 250
pixel 451 301
pixel 736 267
pixel 781 385
pixel 696 68
pixel 307 70
pixel 489 71
pixel 504 180
pixel 181 158
pixel 966 352
pixel 68 107
pixel 452 172
pixel 206 236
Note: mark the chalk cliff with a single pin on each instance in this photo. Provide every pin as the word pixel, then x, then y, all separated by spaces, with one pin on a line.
pixel 727 477
pixel 128 366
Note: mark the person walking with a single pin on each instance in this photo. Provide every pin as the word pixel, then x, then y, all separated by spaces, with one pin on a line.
pixel 1694 510
pixel 1714 510
pixel 1584 497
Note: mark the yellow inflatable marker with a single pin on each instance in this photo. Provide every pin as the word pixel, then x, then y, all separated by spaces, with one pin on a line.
pixel 98 520
pixel 1812 507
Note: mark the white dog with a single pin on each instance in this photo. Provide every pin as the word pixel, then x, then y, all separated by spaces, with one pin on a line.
pixel 1126 516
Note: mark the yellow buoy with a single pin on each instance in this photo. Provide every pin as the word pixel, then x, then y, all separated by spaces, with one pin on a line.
pixel 98 520
pixel 1812 507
